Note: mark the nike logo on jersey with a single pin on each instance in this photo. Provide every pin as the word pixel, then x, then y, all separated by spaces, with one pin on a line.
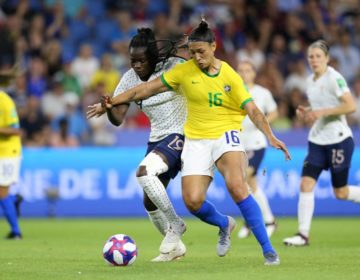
pixel 194 82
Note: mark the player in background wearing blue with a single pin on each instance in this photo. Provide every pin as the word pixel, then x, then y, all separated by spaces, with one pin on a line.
pixel 10 157
pixel 217 102
pixel 254 142
pixel 167 114
pixel 330 142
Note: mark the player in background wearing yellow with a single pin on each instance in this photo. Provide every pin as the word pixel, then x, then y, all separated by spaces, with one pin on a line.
pixel 217 102
pixel 254 142
pixel 10 157
pixel 330 141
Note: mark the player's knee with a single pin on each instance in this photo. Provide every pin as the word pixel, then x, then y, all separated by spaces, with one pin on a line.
pixel 341 193
pixel 141 171
pixel 238 188
pixel 152 165
pixel 193 203
pixel 4 191
pixel 307 184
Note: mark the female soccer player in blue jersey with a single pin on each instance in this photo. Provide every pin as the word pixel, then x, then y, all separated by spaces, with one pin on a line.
pixel 167 114
pixel 217 102
pixel 330 139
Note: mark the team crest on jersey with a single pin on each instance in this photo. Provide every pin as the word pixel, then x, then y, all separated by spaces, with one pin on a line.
pixel 341 83
pixel 227 88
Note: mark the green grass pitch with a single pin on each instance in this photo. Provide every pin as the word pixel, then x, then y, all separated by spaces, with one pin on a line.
pixel 71 249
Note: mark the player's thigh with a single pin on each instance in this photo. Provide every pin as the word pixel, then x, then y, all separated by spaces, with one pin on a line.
pixel 232 165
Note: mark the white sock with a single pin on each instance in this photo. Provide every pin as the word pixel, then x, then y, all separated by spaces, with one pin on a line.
pixel 305 211
pixel 155 190
pixel 354 194
pixel 263 202
pixel 157 217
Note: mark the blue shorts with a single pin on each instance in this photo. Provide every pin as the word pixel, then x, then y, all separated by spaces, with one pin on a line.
pixel 255 158
pixel 171 147
pixel 335 157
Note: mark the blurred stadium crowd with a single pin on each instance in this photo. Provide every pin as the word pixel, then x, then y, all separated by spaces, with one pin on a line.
pixel 67 53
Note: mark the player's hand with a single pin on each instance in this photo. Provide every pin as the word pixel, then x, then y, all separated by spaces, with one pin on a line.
pixel 276 143
pixel 106 102
pixel 301 112
pixel 95 110
pixel 312 116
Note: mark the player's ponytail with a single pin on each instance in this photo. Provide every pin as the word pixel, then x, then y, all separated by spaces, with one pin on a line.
pixel 202 33
pixel 169 48
pixel 156 50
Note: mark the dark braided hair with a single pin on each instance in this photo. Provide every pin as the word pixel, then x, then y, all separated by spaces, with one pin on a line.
pixel 156 50
pixel 202 33
pixel 145 38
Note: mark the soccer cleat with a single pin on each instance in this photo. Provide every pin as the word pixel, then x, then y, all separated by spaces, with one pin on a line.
pixel 297 240
pixel 244 232
pixel 172 237
pixel 224 242
pixel 13 236
pixel 18 200
pixel 271 258
pixel 176 254
pixel 271 228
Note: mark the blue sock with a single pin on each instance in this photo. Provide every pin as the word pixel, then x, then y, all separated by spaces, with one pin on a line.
pixel 8 207
pixel 208 214
pixel 12 197
pixel 253 217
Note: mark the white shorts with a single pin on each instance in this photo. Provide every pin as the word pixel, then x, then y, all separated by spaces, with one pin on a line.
pixel 199 155
pixel 9 171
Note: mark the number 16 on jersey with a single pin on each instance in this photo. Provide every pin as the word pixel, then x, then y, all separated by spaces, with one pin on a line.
pixel 232 137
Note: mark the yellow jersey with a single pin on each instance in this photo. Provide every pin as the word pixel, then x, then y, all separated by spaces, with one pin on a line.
pixel 215 103
pixel 10 146
pixel 110 80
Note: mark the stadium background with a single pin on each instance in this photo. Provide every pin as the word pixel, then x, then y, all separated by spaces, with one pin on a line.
pixel 67 53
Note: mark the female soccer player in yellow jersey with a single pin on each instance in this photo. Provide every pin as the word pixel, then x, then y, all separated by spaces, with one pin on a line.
pixel 10 156
pixel 217 102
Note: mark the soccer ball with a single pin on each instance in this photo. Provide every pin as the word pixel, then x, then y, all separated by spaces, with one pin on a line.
pixel 120 250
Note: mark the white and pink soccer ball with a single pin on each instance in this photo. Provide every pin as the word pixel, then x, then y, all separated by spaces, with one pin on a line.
pixel 120 250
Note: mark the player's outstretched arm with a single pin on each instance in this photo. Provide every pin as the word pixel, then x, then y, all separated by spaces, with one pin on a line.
pixel 9 131
pixel 139 92
pixel 260 121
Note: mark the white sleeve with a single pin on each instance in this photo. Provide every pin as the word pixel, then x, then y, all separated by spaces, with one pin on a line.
pixel 124 84
pixel 270 104
pixel 340 85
